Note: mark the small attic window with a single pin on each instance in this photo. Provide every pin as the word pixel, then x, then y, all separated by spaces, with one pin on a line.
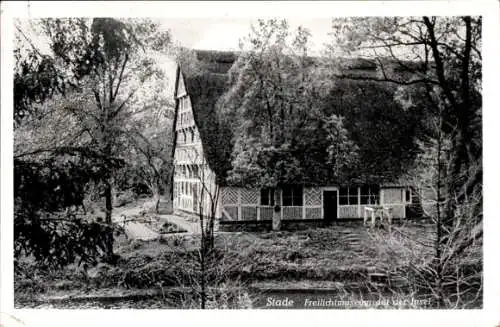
pixel 192 135
pixel 184 137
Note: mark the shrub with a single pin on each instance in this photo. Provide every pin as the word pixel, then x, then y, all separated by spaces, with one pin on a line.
pixel 148 207
pixel 125 198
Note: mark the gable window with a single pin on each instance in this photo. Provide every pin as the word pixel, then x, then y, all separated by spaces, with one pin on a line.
pixel 196 173
pixel 370 195
pixel 182 137
pixel 267 196
pixel 292 196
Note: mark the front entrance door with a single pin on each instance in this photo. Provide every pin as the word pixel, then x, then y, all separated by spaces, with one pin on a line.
pixel 330 205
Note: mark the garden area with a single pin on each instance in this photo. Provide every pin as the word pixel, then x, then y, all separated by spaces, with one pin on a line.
pixel 345 263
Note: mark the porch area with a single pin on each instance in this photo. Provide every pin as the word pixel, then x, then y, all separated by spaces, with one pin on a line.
pixel 309 203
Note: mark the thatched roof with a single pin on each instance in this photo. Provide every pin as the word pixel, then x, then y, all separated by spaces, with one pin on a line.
pixel 205 75
pixel 206 80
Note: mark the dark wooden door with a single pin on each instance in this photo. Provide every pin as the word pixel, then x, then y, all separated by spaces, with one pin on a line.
pixel 330 205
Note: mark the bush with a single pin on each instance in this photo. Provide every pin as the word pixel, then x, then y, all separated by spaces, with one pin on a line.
pixel 148 207
pixel 168 228
pixel 125 198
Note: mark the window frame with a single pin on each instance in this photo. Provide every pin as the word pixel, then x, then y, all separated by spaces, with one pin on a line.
pixel 372 195
pixel 192 135
pixel 296 196
pixel 269 192
pixel 347 196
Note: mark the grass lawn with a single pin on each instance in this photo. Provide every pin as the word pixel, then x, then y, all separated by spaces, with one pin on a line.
pixel 339 260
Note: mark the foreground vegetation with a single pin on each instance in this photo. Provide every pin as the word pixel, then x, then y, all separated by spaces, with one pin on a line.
pixel 342 262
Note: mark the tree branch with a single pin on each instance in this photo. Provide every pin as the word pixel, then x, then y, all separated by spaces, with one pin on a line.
pixel 120 77
pixel 439 63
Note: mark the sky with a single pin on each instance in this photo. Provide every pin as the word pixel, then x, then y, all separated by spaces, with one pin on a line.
pixel 220 33
pixel 225 33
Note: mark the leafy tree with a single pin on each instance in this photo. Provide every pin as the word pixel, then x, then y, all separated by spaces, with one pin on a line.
pixel 44 192
pixel 381 128
pixel 97 69
pixel 276 98
pixel 266 101
pixel 342 152
pixel 149 150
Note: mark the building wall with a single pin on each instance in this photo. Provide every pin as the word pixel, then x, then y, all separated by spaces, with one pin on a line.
pixel 243 204
pixel 395 197
pixel 194 181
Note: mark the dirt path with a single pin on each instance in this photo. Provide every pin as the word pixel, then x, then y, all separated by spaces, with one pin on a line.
pixel 138 230
pixel 134 230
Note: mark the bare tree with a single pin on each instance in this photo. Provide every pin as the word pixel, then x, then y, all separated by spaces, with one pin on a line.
pixel 447 269
pixel 436 64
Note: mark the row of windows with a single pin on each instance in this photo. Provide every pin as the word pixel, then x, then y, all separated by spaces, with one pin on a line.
pixel 186 188
pixel 183 103
pixel 292 196
pixel 187 136
pixel 186 118
pixel 368 195
pixel 188 171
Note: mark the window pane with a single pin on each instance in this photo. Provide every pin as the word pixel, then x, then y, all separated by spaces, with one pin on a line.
pixel 287 192
pixel 374 199
pixel 353 199
pixel 267 196
pixel 364 199
pixel 343 191
pixel 297 196
pixel 343 200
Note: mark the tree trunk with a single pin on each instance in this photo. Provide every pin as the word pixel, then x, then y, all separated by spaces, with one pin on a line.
pixel 439 221
pixel 108 196
pixel 156 199
pixel 277 211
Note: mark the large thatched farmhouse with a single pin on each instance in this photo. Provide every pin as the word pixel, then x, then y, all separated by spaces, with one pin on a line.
pixel 201 158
